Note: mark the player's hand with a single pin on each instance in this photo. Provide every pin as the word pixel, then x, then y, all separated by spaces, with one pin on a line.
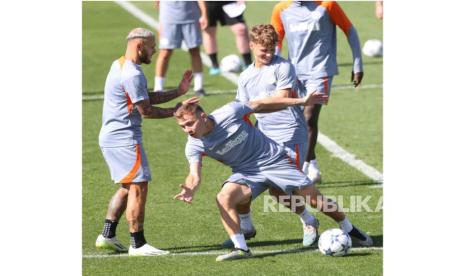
pixel 186 194
pixel 185 82
pixel 315 98
pixel 192 100
pixel 203 21
pixel 356 78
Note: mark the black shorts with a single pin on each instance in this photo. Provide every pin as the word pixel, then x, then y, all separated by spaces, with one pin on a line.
pixel 215 13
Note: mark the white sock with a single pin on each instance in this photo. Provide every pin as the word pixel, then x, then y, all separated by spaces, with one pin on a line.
pixel 159 81
pixel 313 163
pixel 239 241
pixel 246 222
pixel 198 81
pixel 346 225
pixel 307 219
pixel 305 167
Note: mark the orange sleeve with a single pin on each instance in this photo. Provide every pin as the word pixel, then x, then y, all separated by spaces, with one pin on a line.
pixel 276 20
pixel 337 15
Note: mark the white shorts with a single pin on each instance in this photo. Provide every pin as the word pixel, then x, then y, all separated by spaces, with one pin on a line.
pixel 127 164
pixel 297 153
pixel 321 85
pixel 282 175
pixel 172 35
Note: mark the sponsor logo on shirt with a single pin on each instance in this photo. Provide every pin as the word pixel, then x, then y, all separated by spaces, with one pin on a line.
pixel 304 26
pixel 231 144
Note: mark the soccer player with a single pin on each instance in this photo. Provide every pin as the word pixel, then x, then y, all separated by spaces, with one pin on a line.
pixel 256 161
pixel 126 100
pixel 181 20
pixel 273 76
pixel 238 26
pixel 310 28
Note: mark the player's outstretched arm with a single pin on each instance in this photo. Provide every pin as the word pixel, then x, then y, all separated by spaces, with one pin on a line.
pixel 191 184
pixel 271 104
pixel 167 95
pixel 153 112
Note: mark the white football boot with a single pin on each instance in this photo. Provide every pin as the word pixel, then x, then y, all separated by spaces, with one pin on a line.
pixel 310 234
pixel 146 250
pixel 109 243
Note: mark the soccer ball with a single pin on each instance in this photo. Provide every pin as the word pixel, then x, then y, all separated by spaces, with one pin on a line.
pixel 334 242
pixel 231 63
pixel 373 48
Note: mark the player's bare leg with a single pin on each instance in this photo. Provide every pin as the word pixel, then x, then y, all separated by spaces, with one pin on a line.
pixel 242 41
pixel 311 169
pixel 135 215
pixel 161 68
pixel 230 196
pixel 107 239
pixel 309 223
pixel 196 62
pixel 211 49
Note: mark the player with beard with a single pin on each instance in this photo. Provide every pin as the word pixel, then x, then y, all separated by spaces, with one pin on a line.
pixel 126 101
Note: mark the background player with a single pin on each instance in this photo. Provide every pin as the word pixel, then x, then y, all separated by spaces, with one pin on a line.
pixel 238 27
pixel 181 20
pixel 310 28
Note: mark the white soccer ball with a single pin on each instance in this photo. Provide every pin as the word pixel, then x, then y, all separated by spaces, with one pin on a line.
pixel 373 48
pixel 334 242
pixel 231 63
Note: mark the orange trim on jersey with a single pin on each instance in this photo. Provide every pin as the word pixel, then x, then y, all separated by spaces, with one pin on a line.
pixel 326 84
pixel 246 118
pixel 297 157
pixel 121 61
pixel 130 177
pixel 277 22
pixel 337 15
pixel 129 102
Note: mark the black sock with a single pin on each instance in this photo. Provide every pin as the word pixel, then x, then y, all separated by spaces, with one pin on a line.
pixel 109 228
pixel 138 239
pixel 247 58
pixel 214 60
pixel 355 233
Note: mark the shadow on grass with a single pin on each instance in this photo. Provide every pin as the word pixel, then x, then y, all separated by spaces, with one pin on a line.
pixel 348 183
pixel 377 242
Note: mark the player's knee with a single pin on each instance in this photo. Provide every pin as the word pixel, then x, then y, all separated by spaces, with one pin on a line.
pixel 240 30
pixel 223 199
pixel 164 53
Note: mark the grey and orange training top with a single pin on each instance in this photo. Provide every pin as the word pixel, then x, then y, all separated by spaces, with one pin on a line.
pixel 121 121
pixel 310 28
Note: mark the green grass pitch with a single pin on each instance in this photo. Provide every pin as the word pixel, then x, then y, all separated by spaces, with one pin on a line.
pixel 353 119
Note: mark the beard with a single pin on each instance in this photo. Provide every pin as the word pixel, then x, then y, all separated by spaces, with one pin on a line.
pixel 144 57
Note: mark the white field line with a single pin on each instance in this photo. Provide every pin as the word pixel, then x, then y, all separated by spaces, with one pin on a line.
pixel 233 91
pixel 217 252
pixel 324 140
pixel 349 158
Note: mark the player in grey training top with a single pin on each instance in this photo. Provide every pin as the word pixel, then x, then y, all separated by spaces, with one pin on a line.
pixel 256 161
pixel 181 21
pixel 310 28
pixel 273 76
pixel 126 100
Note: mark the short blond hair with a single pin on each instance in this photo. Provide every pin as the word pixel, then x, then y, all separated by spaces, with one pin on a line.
pixel 188 109
pixel 139 33
pixel 264 34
